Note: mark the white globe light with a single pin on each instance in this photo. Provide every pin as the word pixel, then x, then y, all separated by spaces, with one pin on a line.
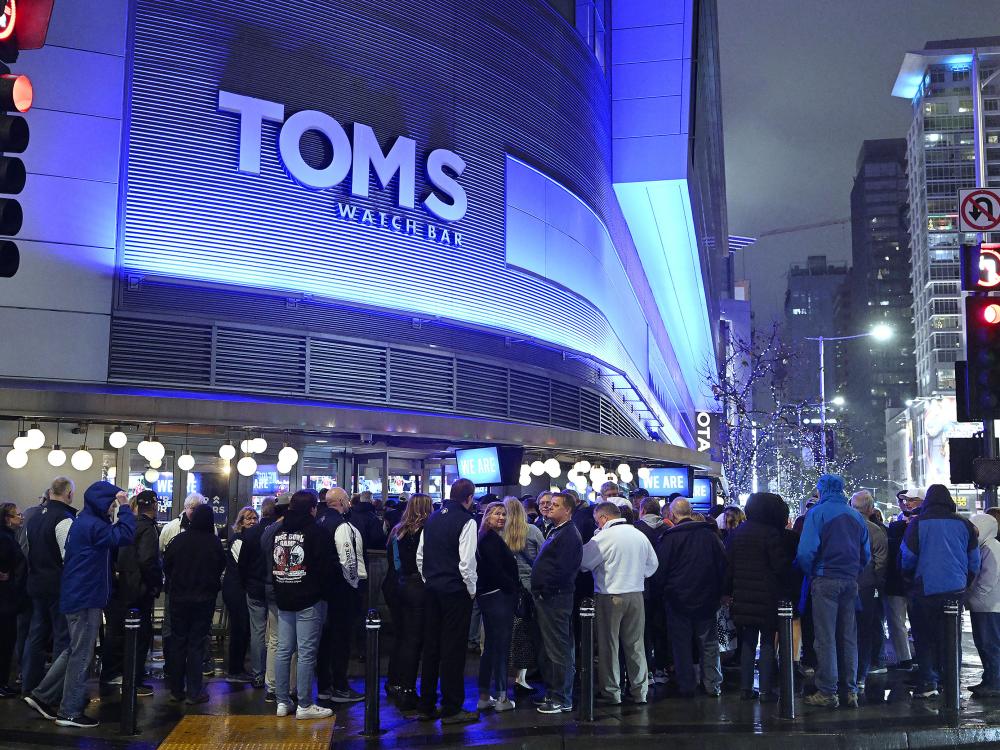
pixel 17 459
pixel 643 472
pixel 246 466
pixel 525 480
pixel 155 463
pixel 22 443
pixel 882 332
pixel 596 475
pixel 37 438
pixel 584 467
pixel 537 468
pixel 155 450
pixel 284 468
pixel 246 446
pixel 151 475
pixel 227 451
pixel 627 478
pixel 624 469
pixel 580 484
pixel 525 469
pixel 57 457
pixel 82 460
pixel 112 473
pixel 288 456
pixel 552 465
pixel 554 473
pixel 117 439
pixel 185 462
pixel 142 447
pixel 259 445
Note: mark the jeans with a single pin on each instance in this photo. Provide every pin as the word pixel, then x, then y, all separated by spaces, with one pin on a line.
pixel 833 609
pixel 869 631
pixel 927 619
pixel 986 634
pixel 67 677
pixel 702 631
pixel 113 639
pixel 46 620
pixel 258 635
pixel 621 621
pixel 557 657
pixel 190 623
pixel 498 622
pixel 895 617
pixel 748 652
pixel 446 626
pixel 298 631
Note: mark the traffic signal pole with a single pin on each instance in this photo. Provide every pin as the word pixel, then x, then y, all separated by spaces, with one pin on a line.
pixel 989 430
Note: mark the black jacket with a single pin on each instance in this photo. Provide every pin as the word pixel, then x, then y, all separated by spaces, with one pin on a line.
pixel 193 561
pixel 364 518
pixel 558 561
pixel 496 565
pixel 45 563
pixel 13 594
pixel 894 583
pixel 253 565
pixel 760 569
pixel 138 568
pixel 302 563
pixel 692 568
pixel 583 519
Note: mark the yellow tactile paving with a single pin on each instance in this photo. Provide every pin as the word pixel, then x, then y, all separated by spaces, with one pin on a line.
pixel 249 733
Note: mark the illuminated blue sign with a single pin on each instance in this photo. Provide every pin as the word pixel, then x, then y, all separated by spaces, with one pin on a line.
pixel 664 482
pixel 481 465
pixel 267 481
pixel 702 495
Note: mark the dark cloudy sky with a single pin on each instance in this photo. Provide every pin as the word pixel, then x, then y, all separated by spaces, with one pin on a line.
pixel 804 82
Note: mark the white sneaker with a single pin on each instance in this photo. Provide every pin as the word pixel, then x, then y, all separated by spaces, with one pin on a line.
pixel 283 709
pixel 313 712
pixel 503 704
pixel 485 703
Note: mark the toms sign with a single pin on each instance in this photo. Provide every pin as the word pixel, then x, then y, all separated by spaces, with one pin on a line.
pixel 448 202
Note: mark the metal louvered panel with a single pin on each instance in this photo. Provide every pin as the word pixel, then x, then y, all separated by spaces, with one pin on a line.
pixel 349 372
pixel 421 381
pixel 565 405
pixel 146 351
pixel 590 411
pixel 530 399
pixel 482 389
pixel 260 361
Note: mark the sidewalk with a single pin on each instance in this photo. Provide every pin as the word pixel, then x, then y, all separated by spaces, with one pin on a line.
pixel 244 720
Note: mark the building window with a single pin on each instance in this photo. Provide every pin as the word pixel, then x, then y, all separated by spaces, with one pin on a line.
pixel 591 22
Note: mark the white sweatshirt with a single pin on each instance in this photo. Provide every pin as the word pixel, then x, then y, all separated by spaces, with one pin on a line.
pixel 620 557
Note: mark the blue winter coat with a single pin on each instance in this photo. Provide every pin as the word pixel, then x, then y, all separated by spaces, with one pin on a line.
pixel 834 541
pixel 940 552
pixel 86 575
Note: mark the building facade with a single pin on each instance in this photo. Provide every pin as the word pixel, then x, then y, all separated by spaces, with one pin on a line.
pixel 372 224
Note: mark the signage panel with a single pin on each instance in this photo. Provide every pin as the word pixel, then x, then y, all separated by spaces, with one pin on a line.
pixel 666 481
pixel 703 494
pixel 481 465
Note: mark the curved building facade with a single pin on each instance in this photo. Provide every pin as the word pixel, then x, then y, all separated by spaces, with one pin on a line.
pixel 511 213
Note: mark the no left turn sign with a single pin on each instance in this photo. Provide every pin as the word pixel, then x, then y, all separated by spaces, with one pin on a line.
pixel 978 210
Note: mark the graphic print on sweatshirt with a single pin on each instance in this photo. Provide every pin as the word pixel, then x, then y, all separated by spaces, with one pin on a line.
pixel 289 557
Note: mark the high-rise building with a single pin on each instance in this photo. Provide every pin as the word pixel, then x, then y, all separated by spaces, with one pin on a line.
pixel 941 161
pixel 811 306
pixel 877 375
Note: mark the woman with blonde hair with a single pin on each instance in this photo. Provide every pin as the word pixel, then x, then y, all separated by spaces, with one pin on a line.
pixel 407 596
pixel 496 591
pixel 524 540
pixel 235 598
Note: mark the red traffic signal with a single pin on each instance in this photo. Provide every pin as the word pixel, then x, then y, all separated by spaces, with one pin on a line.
pixel 991 314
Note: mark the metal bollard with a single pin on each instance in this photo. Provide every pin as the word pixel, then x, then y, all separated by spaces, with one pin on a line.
pixel 953 657
pixel 587 659
pixel 128 720
pixel 786 705
pixel 373 623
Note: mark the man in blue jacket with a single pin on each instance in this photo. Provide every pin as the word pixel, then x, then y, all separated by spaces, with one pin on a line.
pixel 940 557
pixel 84 593
pixel 833 550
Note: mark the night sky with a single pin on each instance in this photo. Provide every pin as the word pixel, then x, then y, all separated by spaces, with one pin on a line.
pixel 803 84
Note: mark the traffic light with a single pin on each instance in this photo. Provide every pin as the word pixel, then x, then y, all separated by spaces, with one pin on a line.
pixel 980 267
pixel 982 336
pixel 15 96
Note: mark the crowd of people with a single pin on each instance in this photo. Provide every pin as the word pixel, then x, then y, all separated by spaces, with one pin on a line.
pixel 673 590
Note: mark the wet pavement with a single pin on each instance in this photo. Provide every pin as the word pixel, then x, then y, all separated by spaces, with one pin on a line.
pixel 237 717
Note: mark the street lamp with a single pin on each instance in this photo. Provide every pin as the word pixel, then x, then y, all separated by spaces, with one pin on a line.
pixel 837 401
pixel 880 332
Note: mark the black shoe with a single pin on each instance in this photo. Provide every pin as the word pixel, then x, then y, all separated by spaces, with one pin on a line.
pixel 238 679
pixel 346 696
pixel 520 689
pixel 82 720
pixel 270 697
pixel 392 691
pixel 257 683
pixel 461 717
pixel 202 697
pixel 175 698
pixel 8 692
pixel 143 691
pixel 540 700
pixel 425 715
pixel 769 698
pixel 47 711
pixel 749 695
